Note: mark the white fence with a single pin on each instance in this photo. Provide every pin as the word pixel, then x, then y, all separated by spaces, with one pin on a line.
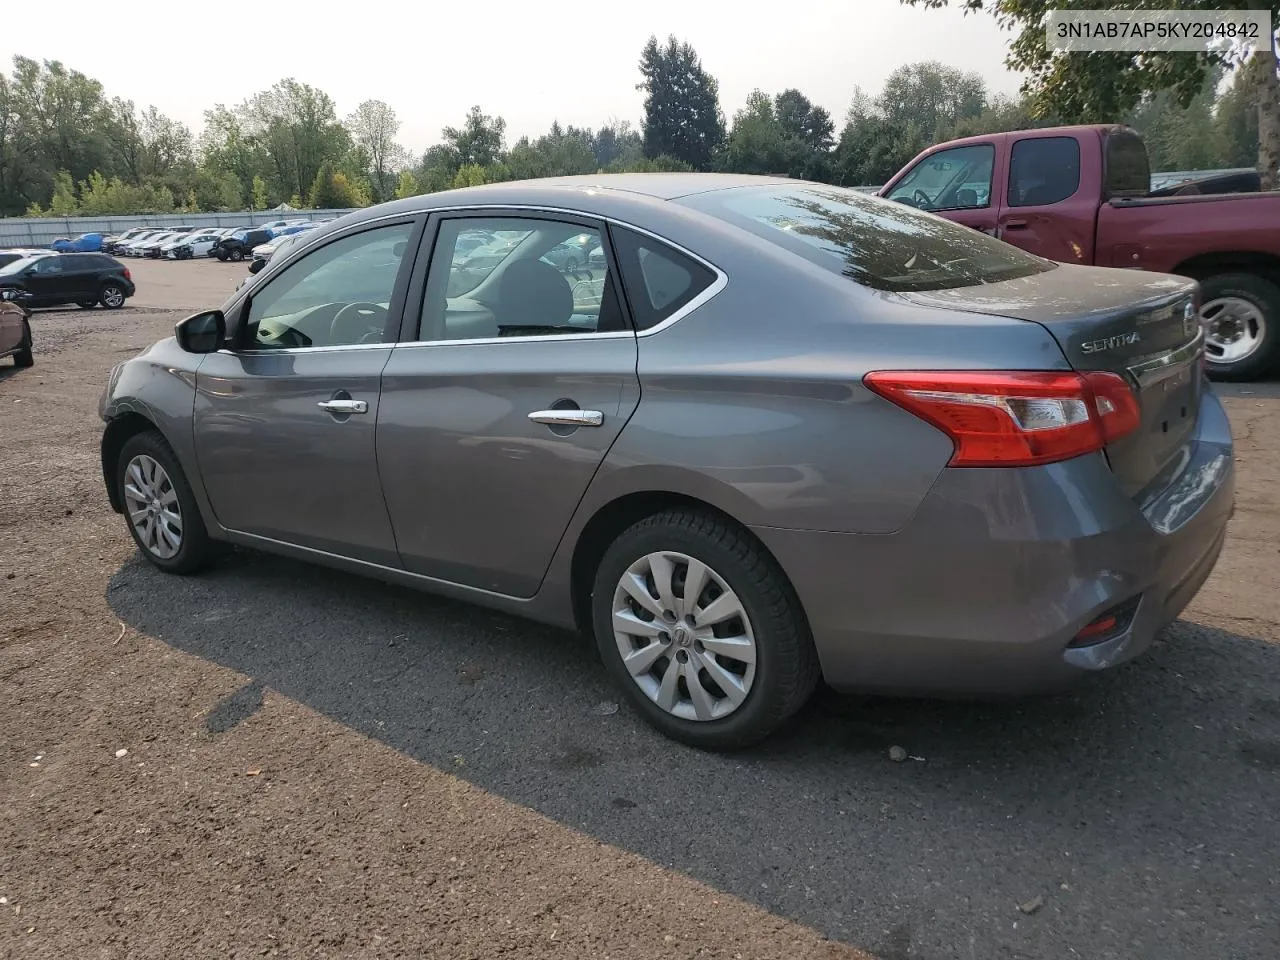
pixel 42 231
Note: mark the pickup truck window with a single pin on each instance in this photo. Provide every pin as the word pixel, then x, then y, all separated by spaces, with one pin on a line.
pixel 1043 170
pixel 955 179
pixel 873 241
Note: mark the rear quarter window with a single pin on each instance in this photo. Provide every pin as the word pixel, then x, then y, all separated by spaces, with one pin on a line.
pixel 875 242
pixel 659 280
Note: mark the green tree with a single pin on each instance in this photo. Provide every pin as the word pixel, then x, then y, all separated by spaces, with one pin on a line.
pixel 407 186
pixel 297 127
pixel 682 116
pixel 332 189
pixel 469 175
pixel 63 202
pixel 1235 123
pixel 1093 86
pixel 478 141
pixel 1179 137
pixel 258 194
pixel 373 127
pixel 758 143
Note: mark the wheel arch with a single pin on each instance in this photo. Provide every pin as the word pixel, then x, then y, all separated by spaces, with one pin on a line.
pixel 615 516
pixel 1204 265
pixel 118 432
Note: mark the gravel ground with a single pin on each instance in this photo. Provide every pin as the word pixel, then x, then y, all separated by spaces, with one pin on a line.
pixel 320 766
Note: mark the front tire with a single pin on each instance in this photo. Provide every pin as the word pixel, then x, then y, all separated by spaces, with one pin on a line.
pixel 237 255
pixel 159 507
pixel 720 668
pixel 1241 316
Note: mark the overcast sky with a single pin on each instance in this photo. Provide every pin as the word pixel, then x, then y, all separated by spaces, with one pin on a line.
pixel 528 62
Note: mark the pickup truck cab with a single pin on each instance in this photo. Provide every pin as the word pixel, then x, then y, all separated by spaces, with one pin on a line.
pixel 1080 195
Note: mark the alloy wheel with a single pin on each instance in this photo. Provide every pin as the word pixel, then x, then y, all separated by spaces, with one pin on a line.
pixel 684 636
pixel 153 507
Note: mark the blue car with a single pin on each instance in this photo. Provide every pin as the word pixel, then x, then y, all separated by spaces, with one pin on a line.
pixel 85 243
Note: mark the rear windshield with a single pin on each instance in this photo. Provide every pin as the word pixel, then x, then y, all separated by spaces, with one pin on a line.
pixel 878 243
pixel 1127 167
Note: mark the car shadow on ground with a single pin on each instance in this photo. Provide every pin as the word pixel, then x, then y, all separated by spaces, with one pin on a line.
pixel 1140 809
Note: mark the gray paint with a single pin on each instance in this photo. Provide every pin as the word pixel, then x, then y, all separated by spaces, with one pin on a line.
pixel 913 576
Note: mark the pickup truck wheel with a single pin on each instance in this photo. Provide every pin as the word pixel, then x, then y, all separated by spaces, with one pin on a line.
pixel 1241 317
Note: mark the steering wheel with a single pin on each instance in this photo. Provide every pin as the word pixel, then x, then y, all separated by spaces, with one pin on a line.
pixel 374 316
pixel 921 199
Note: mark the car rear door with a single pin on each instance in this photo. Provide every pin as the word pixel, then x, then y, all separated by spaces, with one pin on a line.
pixel 1046 208
pixel 514 382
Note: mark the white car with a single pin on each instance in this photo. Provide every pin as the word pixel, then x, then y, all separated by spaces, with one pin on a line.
pixel 125 247
pixel 135 246
pixel 197 244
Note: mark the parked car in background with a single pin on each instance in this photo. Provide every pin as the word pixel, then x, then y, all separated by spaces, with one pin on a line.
pixel 1081 195
pixel 195 244
pixel 264 253
pixel 793 431
pixel 52 279
pixel 239 245
pixel 132 248
pixel 15 333
pixel 85 243
pixel 120 248
pixel 18 253
pixel 111 243
pixel 154 248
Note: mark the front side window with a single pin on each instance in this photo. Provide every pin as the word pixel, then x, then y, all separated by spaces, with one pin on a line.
pixel 338 295
pixel 872 241
pixel 517 277
pixel 955 179
pixel 48 265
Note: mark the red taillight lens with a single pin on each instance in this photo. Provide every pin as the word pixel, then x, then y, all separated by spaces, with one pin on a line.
pixel 1015 418
pixel 127 275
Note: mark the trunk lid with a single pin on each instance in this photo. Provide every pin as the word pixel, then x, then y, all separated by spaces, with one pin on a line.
pixel 1143 326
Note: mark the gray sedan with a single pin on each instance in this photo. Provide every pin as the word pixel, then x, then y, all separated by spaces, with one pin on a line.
pixel 791 433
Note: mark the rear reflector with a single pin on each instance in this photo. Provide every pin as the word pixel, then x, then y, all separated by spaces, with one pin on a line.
pixel 1015 418
pixel 1108 626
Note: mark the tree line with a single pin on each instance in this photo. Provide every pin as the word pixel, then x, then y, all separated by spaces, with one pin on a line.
pixel 67 149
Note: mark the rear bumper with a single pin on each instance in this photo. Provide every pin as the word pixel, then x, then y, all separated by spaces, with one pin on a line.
pixel 984 590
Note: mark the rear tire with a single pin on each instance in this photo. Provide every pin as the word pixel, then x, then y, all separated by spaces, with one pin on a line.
pixel 764 648
pixel 148 472
pixel 24 357
pixel 1241 314
pixel 111 296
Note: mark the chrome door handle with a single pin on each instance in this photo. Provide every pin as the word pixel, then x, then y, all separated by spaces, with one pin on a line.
pixel 568 418
pixel 344 406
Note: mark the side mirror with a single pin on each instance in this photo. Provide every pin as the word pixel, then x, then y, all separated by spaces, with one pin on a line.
pixel 202 332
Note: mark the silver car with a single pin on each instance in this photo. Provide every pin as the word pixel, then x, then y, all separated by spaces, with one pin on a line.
pixel 790 433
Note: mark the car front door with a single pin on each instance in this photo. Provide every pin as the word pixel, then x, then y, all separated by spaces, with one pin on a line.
pixel 285 420
pixel 45 280
pixel 499 410
pixel 956 183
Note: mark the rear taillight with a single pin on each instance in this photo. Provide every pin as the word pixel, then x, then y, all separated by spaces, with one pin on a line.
pixel 127 275
pixel 1015 418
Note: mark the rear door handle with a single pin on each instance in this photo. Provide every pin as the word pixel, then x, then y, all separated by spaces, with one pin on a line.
pixel 568 418
pixel 1014 224
pixel 344 406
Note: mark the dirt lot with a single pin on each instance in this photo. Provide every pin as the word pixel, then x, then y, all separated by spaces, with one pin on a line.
pixel 324 767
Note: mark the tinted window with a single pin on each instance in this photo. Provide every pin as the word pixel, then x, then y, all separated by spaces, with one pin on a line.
pixel 517 276
pixel 658 280
pixel 954 179
pixel 1128 169
pixel 338 295
pixel 876 242
pixel 1043 170
pixel 48 265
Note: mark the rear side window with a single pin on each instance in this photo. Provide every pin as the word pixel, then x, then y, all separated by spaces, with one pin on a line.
pixel 1127 168
pixel 876 242
pixel 658 280
pixel 1043 170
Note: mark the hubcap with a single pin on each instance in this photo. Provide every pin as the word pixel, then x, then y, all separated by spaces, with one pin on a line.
pixel 153 507
pixel 1234 329
pixel 684 636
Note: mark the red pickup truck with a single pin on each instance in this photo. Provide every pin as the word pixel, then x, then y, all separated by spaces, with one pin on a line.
pixel 1080 195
